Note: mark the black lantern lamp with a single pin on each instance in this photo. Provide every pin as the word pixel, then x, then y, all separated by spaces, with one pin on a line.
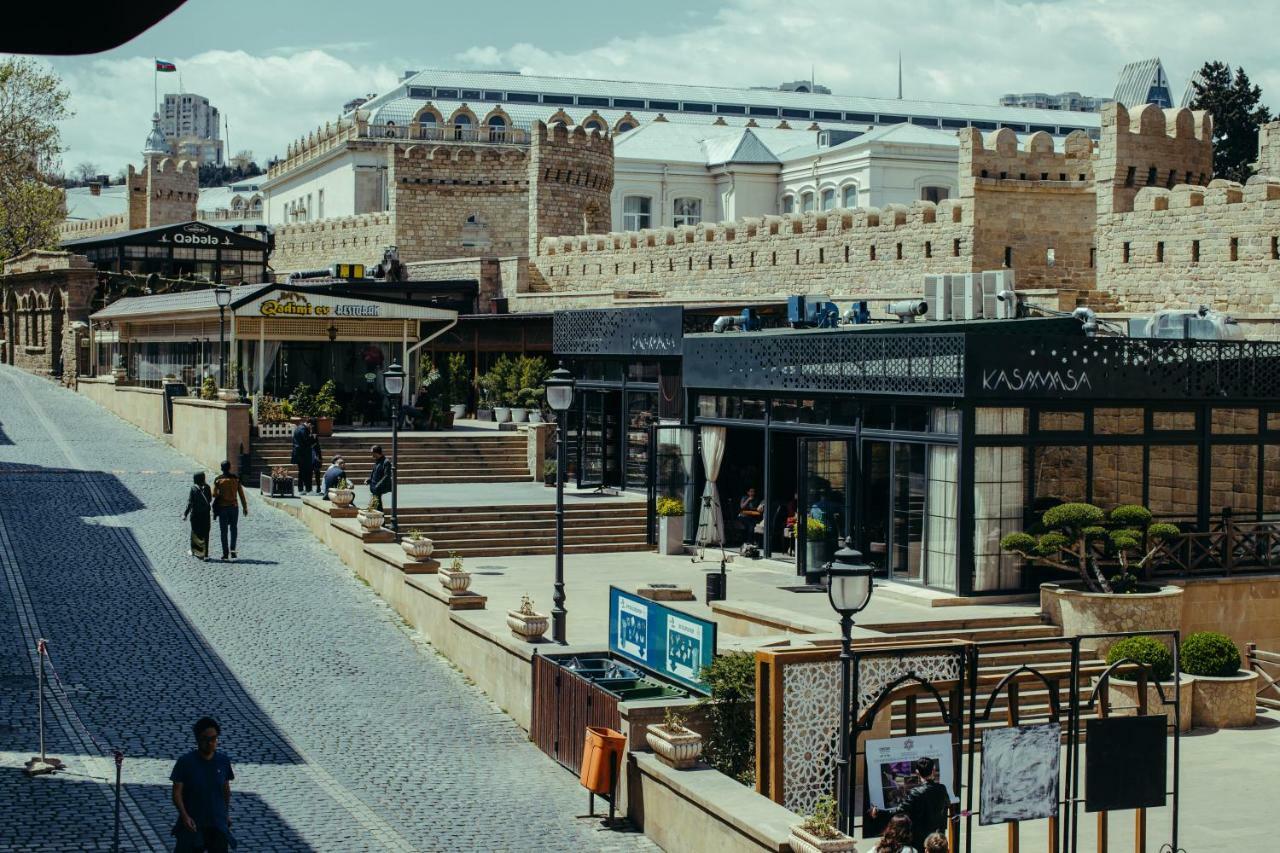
pixel 849 586
pixel 393 387
pixel 559 387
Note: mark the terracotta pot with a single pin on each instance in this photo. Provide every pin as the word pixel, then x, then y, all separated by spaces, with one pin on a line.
pixel 526 626
pixel 370 519
pixel 674 749
pixel 342 497
pixel 454 581
pixel 1229 702
pixel 417 548
pixel 802 841
pixel 324 426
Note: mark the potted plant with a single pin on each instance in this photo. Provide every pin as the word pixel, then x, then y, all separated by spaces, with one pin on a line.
pixel 1223 696
pixel 549 473
pixel 303 402
pixel 459 384
pixel 817 548
pixel 670 525
pixel 455 578
pixel 417 545
pixel 371 517
pixel 325 407
pixel 342 494
pixel 526 623
pixel 208 389
pixel 494 386
pixel 675 744
pixel 1158 661
pixel 818 833
pixel 278 483
pixel 1080 538
pixel 273 417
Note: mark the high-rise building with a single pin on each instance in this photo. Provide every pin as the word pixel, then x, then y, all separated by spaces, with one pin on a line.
pixel 192 127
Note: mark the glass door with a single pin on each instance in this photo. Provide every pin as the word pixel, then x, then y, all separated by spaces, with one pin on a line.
pixel 825 500
pixel 675 471
pixel 600 450
pixel 907 536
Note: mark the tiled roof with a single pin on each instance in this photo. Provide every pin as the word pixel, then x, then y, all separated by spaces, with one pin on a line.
pixel 170 303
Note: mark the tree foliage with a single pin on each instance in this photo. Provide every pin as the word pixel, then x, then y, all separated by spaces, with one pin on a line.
pixel 32 103
pixel 213 175
pixel 1235 105
pixel 731 747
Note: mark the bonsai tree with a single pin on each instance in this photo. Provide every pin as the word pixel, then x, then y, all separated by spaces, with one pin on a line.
pixel 1209 653
pixel 1144 650
pixel 325 402
pixel 1077 536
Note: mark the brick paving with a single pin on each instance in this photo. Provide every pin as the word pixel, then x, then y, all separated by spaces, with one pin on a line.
pixel 348 732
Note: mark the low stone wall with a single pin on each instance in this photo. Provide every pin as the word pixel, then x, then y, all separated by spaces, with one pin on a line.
pixel 1244 608
pixel 142 407
pixel 210 431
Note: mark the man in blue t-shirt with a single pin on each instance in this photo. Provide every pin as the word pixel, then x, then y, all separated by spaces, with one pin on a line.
pixel 202 794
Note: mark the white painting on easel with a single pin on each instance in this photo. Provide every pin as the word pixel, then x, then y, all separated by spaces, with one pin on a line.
pixel 1020 773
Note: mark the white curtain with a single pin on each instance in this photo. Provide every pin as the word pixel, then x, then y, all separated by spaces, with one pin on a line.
pixel 711 518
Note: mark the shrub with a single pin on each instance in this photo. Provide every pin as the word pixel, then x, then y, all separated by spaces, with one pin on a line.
pixel 669 507
pixel 813 528
pixel 458 384
pixel 1147 650
pixel 1073 516
pixel 325 402
pixel 208 389
pixel 1209 653
pixel 822 823
pixel 303 401
pixel 731 707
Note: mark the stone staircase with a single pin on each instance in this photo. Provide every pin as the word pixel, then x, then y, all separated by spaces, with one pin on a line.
pixel 591 527
pixel 1004 656
pixel 435 458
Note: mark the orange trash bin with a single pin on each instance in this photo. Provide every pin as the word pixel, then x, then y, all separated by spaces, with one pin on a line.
pixel 600 755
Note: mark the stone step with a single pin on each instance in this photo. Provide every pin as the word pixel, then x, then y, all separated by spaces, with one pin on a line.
pixel 517 539
pixel 524 550
pixel 517 515
pixel 960 624
pixel 577 523
pixel 993 632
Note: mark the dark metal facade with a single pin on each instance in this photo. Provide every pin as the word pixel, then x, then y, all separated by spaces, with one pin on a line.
pixel 639 332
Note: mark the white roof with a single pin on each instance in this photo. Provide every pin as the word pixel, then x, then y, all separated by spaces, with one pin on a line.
pixel 83 204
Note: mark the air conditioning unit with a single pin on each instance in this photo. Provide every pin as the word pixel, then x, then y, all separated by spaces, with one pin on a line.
pixel 995 282
pixel 937 292
pixel 966 296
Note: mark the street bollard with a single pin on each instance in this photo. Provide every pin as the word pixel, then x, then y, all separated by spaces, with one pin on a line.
pixel 41 764
pixel 115 837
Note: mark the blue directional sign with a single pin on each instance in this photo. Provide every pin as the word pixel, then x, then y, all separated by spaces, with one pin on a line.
pixel 668 642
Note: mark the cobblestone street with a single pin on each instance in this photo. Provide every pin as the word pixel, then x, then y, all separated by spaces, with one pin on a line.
pixel 347 732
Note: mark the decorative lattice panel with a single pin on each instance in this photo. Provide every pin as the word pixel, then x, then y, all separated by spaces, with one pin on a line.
pixel 636 332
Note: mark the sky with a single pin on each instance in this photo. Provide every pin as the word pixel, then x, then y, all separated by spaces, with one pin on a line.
pixel 279 69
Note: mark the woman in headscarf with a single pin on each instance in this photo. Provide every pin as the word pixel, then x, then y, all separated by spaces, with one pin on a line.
pixel 199 504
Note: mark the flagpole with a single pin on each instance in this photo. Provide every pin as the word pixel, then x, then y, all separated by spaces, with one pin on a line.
pixel 155 83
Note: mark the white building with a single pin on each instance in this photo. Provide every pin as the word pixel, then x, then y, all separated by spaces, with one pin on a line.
pixel 192 127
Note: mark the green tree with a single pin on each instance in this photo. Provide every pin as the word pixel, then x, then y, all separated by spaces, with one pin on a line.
pixel 1235 105
pixel 32 103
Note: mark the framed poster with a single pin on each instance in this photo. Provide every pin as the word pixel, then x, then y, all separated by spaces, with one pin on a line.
pixel 662 640
pixel 1125 763
pixel 890 767
pixel 1020 773
pixel 632 629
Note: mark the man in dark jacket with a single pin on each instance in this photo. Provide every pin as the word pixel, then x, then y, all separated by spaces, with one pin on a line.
pixel 928 804
pixel 301 456
pixel 379 481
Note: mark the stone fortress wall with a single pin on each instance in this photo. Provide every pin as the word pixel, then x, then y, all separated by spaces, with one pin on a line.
pixel 164 192
pixel 359 239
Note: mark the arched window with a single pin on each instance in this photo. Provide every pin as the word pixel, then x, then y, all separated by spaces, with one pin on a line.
pixel 828 199
pixel 686 211
pixel 497 127
pixel 934 194
pixel 635 212
pixel 806 203
pixel 624 126
pixel 427 125
pixel 257 204
pixel 461 124
pixel 593 124
pixel 788 204
pixel 849 196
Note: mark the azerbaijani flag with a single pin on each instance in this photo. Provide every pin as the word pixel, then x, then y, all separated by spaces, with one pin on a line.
pixel 162 65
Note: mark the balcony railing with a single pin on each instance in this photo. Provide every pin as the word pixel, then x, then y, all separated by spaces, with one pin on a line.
pixel 509 135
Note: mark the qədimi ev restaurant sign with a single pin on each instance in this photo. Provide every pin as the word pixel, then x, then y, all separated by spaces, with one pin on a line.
pixel 288 304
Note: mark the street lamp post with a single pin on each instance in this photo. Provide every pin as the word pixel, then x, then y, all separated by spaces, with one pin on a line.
pixel 849 586
pixel 393 387
pixel 222 295
pixel 559 398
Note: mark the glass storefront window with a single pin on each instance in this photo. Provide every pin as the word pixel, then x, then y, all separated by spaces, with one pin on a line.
pixel 995 421
pixel 1233 478
pixel 1234 421
pixel 1173 480
pixel 998 508
pixel 941 513
pixel 1117 475
pixel 642 410
pixel 1062 421
pixel 1059 475
pixel 792 411
pixel 738 408
pixel 184 253
pixel 1173 421
pixel 944 420
pixel 1117 421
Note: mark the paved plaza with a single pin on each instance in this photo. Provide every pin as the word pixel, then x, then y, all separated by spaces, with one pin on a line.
pixel 347 732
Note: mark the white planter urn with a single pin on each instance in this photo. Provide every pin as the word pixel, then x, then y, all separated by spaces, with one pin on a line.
pixel 671 534
pixel 527 626
pixel 459 410
pixel 454 581
pixel 370 519
pixel 803 841
pixel 342 497
pixel 229 395
pixel 501 414
pixel 519 415
pixel 679 750
pixel 535 416
pixel 419 549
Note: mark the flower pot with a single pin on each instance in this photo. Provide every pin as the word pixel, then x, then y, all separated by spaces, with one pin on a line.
pixel 671 534
pixel 419 549
pixel 803 841
pixel 342 497
pixel 459 410
pixel 1225 702
pixel 502 414
pixel 370 519
pixel 526 626
pixel 679 750
pixel 324 426
pixel 519 415
pixel 817 554
pixel 1079 612
pixel 535 416
pixel 1125 695
pixel 229 395
pixel 454 581
pixel 484 414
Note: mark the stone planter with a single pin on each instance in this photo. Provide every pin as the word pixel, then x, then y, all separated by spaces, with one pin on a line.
pixel 802 841
pixel 501 414
pixel 281 488
pixel 454 581
pixel 1229 702
pixel 1125 693
pixel 342 497
pixel 459 410
pixel 674 749
pixel 526 626
pixel 671 534
pixel 229 395
pixel 519 415
pixel 1079 612
pixel 419 549
pixel 370 519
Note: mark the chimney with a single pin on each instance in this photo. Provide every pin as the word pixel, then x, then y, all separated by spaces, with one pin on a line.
pixel 95 188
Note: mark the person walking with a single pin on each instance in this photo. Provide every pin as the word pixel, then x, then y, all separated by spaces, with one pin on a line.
pixel 202 794
pixel 317 457
pixel 199 505
pixel 936 843
pixel 379 481
pixel 226 490
pixel 301 455
pixel 927 804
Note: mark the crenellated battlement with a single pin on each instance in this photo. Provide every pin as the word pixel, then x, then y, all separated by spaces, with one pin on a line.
pixel 73 229
pixel 998 156
pixel 317 142
pixel 579 137
pixel 344 224
pixel 1150 147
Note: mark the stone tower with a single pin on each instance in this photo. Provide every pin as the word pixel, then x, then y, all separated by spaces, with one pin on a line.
pixel 166 191
pixel 570 178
